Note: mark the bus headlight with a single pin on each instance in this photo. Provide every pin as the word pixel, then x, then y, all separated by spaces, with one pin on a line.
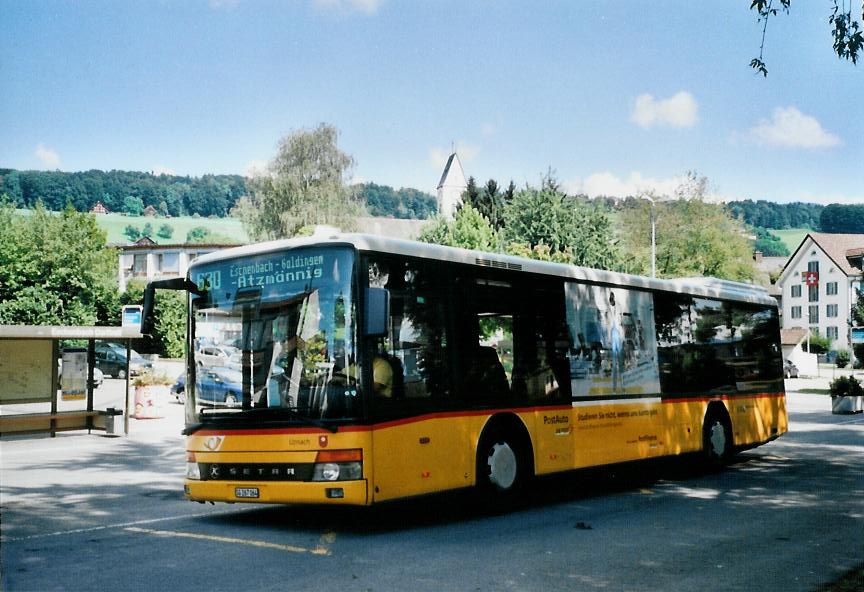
pixel 345 471
pixel 338 465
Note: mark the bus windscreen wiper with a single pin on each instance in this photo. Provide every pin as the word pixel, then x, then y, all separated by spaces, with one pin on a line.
pixel 293 412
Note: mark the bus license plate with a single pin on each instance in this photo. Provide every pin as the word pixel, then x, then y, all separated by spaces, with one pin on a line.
pixel 247 492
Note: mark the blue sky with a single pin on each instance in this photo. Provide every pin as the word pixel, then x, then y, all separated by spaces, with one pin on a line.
pixel 615 97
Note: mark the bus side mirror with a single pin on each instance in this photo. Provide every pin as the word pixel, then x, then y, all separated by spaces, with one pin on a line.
pixel 377 312
pixel 147 310
pixel 150 298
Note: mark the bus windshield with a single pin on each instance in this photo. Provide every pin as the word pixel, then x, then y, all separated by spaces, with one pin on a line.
pixel 273 338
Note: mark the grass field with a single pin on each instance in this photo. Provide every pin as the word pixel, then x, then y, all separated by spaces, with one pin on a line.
pixel 792 237
pixel 222 229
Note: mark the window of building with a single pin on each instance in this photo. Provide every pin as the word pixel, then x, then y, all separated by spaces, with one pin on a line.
pixel 813 266
pixel 169 262
pixel 813 293
pixel 796 312
pixel 831 310
pixel 796 291
pixel 831 288
pixel 813 314
pixel 139 264
pixel 832 333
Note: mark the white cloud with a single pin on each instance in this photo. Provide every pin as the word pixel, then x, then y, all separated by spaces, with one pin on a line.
pixel 255 167
pixel 224 4
pixel 49 157
pixel 488 130
pixel 438 156
pixel 680 110
pixel 607 184
pixel 789 128
pixel 163 170
pixel 349 6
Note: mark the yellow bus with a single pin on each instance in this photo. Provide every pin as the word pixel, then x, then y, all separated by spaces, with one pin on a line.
pixel 357 369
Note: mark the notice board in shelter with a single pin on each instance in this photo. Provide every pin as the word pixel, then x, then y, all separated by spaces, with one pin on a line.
pixel 26 370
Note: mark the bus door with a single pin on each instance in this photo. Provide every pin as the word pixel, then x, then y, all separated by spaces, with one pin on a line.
pixel 417 444
pixel 512 342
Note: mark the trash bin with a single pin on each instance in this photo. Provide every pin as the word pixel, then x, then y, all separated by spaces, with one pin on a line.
pixel 113 421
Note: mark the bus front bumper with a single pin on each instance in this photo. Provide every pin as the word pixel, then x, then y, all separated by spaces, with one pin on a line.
pixel 269 492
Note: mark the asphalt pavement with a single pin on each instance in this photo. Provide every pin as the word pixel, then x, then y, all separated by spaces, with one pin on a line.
pixel 91 512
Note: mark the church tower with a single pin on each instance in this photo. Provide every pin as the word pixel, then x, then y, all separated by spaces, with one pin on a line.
pixel 451 186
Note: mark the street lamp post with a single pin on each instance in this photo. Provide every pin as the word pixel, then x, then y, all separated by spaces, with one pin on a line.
pixel 653 238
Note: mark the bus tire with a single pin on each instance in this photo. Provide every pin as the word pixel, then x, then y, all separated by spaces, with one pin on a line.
pixel 716 438
pixel 503 466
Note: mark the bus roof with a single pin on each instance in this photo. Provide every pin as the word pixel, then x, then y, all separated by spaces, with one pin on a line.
pixel 696 286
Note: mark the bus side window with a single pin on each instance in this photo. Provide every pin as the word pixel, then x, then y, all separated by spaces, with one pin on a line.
pixel 416 344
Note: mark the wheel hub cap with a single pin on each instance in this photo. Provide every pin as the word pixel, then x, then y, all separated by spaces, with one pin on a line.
pixel 502 466
pixel 718 439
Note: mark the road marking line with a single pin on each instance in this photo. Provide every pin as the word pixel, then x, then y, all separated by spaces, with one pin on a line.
pixel 120 525
pixel 320 550
pixel 327 539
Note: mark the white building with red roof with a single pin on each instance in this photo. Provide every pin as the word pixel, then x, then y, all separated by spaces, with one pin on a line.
pixel 820 283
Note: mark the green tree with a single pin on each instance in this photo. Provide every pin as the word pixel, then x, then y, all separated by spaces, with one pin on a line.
pixel 165 231
pixel 304 185
pixel 383 200
pixel 133 205
pixel 132 232
pixel 842 219
pixel 542 224
pixel 468 229
pixel 818 344
pixel 170 322
pixel 56 269
pixel 845 31
pixel 769 244
pixel 199 234
pixel 147 230
pixel 858 321
pixel 693 237
pixel 573 230
pixel 169 313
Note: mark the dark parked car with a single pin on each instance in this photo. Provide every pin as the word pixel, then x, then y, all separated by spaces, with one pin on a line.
pixel 111 360
pixel 219 386
pixel 178 389
pixel 790 370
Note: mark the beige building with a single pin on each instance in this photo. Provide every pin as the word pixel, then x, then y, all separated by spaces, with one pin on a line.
pixel 147 261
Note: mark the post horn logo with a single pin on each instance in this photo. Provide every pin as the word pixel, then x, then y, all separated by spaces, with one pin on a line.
pixel 214 443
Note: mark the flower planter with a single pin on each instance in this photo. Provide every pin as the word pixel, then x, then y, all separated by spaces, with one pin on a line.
pixel 150 401
pixel 847 404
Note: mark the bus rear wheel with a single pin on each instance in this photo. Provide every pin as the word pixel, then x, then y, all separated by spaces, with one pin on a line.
pixel 717 439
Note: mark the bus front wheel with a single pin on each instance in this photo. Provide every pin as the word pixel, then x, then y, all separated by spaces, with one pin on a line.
pixel 717 439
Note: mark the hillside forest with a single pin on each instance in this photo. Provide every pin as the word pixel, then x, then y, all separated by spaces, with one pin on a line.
pixel 130 192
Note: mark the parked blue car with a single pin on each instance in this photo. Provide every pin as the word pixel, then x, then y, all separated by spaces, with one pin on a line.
pixel 178 389
pixel 219 386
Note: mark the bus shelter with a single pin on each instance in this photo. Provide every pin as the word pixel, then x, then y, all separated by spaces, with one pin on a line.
pixel 30 400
